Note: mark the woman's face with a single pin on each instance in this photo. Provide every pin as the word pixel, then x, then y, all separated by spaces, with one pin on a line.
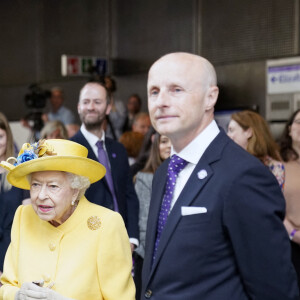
pixel 164 147
pixel 238 134
pixel 295 129
pixel 108 83
pixel 51 196
pixel 3 143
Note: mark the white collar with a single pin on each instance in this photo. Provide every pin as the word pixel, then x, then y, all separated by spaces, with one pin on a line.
pixel 195 149
pixel 90 137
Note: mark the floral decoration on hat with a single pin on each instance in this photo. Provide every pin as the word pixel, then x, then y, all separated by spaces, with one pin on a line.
pixel 33 151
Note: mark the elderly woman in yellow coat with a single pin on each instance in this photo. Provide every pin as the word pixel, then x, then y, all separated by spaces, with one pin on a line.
pixel 63 246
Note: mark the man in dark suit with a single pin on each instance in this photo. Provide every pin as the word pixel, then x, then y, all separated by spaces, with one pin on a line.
pixel 215 227
pixel 116 191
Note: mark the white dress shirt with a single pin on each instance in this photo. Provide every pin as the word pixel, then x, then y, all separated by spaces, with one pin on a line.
pixel 192 154
pixel 93 139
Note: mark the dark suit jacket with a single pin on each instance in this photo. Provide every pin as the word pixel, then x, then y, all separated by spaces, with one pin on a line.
pixel 99 192
pixel 238 250
pixel 9 202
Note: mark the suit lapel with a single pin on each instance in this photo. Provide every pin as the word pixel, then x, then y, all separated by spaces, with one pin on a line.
pixel 189 193
pixel 186 197
pixel 112 161
pixel 85 143
pixel 110 154
pixel 155 203
pixel 91 154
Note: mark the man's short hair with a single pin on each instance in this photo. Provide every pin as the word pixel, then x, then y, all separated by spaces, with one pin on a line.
pixel 57 89
pixel 108 95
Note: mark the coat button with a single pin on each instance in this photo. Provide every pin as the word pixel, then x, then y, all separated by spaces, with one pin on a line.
pixel 148 294
pixel 47 278
pixel 52 246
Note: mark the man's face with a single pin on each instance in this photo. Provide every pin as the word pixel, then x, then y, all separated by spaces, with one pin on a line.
pixel 178 98
pixel 56 100
pixel 141 125
pixel 93 106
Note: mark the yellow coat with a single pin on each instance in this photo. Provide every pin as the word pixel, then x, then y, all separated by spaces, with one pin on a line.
pixel 87 257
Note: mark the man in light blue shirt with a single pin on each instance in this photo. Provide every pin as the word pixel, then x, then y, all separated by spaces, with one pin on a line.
pixel 58 110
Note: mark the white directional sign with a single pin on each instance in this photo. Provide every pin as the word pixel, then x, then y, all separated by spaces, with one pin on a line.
pixel 283 76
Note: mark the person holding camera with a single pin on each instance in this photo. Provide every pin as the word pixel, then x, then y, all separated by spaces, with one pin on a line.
pixel 36 119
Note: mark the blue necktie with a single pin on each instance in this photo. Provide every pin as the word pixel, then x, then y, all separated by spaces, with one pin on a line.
pixel 103 159
pixel 176 165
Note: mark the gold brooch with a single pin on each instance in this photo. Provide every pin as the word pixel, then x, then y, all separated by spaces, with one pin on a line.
pixel 93 222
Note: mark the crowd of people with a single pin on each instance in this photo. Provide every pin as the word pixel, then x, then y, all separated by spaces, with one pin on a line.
pixel 160 205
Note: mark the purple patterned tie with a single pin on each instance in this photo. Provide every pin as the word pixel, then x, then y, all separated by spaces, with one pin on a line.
pixel 103 159
pixel 176 165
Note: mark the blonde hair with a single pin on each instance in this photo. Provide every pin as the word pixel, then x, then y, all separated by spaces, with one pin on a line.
pixel 51 126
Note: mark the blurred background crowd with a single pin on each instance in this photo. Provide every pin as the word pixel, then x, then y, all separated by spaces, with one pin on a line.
pixel 258 76
pixel 145 148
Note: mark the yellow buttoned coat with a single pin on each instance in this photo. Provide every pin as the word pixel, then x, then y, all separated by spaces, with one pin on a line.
pixel 87 257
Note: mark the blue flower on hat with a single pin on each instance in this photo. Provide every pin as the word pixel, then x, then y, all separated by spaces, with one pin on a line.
pixel 25 156
pixel 36 150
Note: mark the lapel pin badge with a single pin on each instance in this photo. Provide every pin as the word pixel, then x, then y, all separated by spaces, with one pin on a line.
pixel 202 174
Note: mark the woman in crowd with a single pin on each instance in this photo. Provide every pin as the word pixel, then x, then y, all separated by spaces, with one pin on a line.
pixel 160 150
pixel 132 141
pixel 290 153
pixel 63 247
pixel 54 130
pixel 10 197
pixel 250 130
pixel 144 152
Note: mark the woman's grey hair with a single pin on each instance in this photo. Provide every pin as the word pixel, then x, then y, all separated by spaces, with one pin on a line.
pixel 79 182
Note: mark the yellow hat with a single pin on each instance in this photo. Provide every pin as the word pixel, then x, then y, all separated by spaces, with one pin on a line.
pixel 51 155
